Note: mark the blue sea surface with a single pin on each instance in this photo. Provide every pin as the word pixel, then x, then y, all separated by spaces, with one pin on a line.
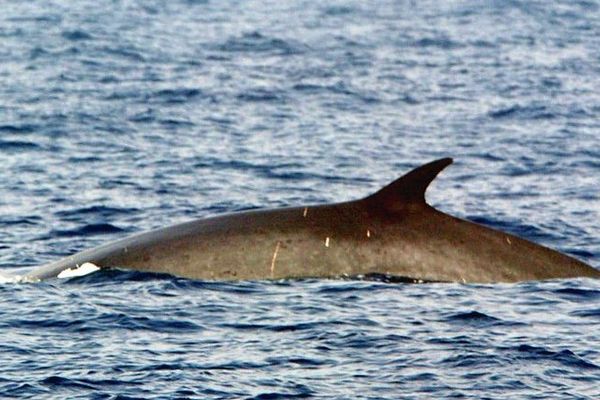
pixel 122 116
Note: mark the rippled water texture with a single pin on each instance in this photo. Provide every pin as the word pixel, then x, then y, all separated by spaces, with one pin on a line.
pixel 122 116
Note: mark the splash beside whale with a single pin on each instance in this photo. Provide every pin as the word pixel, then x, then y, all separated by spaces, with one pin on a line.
pixel 393 232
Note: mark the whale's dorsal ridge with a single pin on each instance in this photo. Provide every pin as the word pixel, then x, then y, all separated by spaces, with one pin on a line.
pixel 392 233
pixel 410 188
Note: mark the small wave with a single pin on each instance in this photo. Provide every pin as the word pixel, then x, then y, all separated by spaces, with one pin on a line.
pixel 181 92
pixel 580 253
pixel 24 128
pixel 17 389
pixel 339 88
pixel 122 95
pixel 578 293
pixel 472 316
pixel 255 42
pixel 309 87
pixel 108 79
pixel 293 327
pixel 175 96
pixel 84 159
pixel 338 11
pixel 533 111
pixel 113 276
pixel 54 19
pixel 171 122
pixel 87 230
pixel 592 313
pixel 483 43
pixel 529 232
pixel 14 220
pixel 127 53
pixel 302 362
pixel 18 145
pixel 261 95
pixel 442 43
pixel 76 35
pixel 459 340
pixel 387 278
pixel 352 287
pixel 144 117
pixel 55 381
pixel 471 361
pixel 273 170
pixel 296 391
pixel 564 357
pixel 478 319
pixel 38 52
pixel 101 211
pixel 117 320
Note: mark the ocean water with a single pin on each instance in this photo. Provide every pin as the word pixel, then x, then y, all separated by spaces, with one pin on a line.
pixel 122 116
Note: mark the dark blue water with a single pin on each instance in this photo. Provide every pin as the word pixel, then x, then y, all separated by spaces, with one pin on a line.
pixel 122 116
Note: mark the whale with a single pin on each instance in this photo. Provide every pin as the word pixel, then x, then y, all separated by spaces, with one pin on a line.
pixel 393 233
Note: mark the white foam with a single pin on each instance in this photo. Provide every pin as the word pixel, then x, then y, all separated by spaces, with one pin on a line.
pixel 10 278
pixel 80 270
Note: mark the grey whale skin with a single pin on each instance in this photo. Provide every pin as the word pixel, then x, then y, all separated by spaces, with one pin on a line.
pixel 392 232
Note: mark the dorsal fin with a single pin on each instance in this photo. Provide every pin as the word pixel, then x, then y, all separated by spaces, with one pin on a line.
pixel 410 188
